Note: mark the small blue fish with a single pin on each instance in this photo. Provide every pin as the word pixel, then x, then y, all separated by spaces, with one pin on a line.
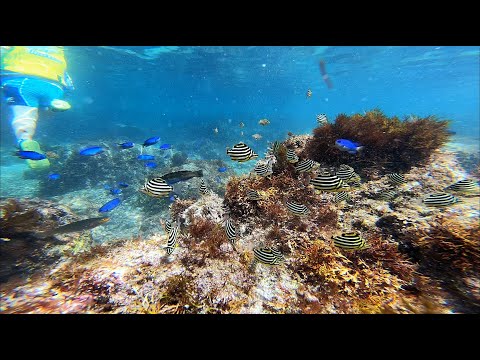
pixel 151 141
pixel 107 187
pixel 173 197
pixel 126 145
pixel 347 145
pixel 145 157
pixel 122 184
pixel 165 147
pixel 151 164
pixel 222 169
pixel 30 155
pixel 54 176
pixel 112 204
pixel 90 151
pixel 115 191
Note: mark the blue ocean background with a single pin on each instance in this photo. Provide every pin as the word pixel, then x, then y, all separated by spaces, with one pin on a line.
pixel 182 93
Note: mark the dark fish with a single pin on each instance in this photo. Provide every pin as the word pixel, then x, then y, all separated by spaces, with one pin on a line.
pixel 122 184
pixel 151 141
pixel 126 145
pixel 231 231
pixel 345 172
pixel 297 209
pixel 115 191
pixel 325 76
pixel 165 147
pixel 112 204
pixel 387 195
pixel 150 164
pixel 305 165
pixel 268 256
pixel 262 169
pixel 30 155
pixel 253 195
pixel 54 176
pixel 156 187
pixel 241 152
pixel 203 188
pixel 466 185
pixel 145 157
pixel 341 196
pixel 348 146
pixel 291 156
pixel 396 179
pixel 440 199
pixel 81 225
pixel 182 175
pixel 350 241
pixel 172 238
pixel 222 169
pixel 322 119
pixel 327 182
pixel 91 151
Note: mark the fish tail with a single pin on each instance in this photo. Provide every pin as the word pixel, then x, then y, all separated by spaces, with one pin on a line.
pixel 199 173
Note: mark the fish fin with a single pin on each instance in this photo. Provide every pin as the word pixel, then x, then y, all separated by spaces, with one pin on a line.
pixel 359 148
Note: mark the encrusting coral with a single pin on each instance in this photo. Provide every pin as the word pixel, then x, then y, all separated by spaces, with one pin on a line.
pixel 390 144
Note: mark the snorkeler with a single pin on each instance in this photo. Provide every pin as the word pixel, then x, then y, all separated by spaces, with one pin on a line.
pixel 33 77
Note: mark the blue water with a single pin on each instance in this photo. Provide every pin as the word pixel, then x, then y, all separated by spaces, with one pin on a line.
pixel 183 93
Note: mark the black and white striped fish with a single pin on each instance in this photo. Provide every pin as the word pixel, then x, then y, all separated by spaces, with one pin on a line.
pixel 262 169
pixel 354 179
pixel 305 165
pixel 291 156
pixel 172 239
pixel 297 209
pixel 268 256
pixel 350 241
pixel 322 119
pixel 253 195
pixel 156 187
pixel 440 199
pixel 203 188
pixel 396 179
pixel 231 231
pixel 168 226
pixel 341 196
pixel 345 172
pixel 241 152
pixel 327 182
pixel 387 195
pixel 466 185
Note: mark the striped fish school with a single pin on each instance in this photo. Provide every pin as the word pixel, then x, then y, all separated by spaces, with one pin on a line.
pixel 231 231
pixel 156 187
pixel 466 185
pixel 396 179
pixel 305 165
pixel 350 241
pixel 253 195
pixel 268 256
pixel 262 169
pixel 345 172
pixel 440 199
pixel 172 239
pixel 203 187
pixel 241 152
pixel 291 156
pixel 387 195
pixel 327 182
pixel 297 209
pixel 341 196
pixel 322 119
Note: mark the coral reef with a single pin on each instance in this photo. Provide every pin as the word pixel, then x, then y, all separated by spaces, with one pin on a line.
pixel 179 158
pixel 390 144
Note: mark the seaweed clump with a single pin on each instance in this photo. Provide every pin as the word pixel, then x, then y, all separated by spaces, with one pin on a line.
pixel 391 144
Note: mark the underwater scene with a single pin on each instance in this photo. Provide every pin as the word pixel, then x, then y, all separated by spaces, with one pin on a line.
pixel 240 180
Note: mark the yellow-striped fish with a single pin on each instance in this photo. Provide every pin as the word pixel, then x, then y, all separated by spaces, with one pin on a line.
pixel 291 156
pixel 305 165
pixel 350 241
pixel 253 195
pixel 327 182
pixel 267 256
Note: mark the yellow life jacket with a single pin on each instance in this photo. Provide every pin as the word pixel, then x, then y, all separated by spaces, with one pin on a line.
pixel 43 61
